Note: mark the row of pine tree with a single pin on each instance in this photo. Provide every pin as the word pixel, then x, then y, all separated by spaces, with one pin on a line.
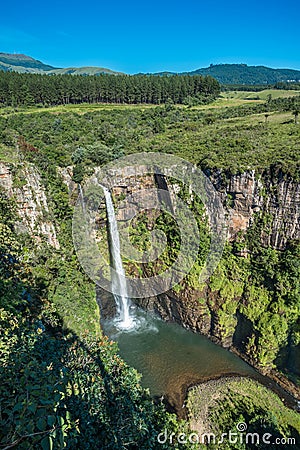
pixel 31 89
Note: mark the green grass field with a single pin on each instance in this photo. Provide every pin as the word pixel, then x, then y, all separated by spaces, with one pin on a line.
pixel 231 134
pixel 226 99
pixel 261 95
pixel 79 109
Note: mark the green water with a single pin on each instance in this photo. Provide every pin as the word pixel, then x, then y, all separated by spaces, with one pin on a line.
pixel 170 357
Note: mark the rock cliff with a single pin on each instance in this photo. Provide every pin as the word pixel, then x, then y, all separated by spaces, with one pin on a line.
pixel 271 197
pixel 272 194
pixel 246 196
pixel 24 184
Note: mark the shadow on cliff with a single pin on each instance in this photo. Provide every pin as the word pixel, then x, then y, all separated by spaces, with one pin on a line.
pixel 69 378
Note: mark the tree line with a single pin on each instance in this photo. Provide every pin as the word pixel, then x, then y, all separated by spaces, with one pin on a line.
pixel 280 85
pixel 32 89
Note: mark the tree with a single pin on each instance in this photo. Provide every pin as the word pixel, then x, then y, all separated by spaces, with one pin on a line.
pixel 296 114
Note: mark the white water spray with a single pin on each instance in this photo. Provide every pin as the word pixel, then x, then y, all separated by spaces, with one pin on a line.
pixel 81 196
pixel 124 320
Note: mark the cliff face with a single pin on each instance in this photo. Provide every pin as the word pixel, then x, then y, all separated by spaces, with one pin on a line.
pixel 246 196
pixel 25 185
pixel 272 194
pixel 272 198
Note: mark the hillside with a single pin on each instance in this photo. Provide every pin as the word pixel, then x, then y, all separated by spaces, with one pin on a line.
pixel 25 64
pixel 22 63
pixel 244 74
pixel 235 74
pixel 84 71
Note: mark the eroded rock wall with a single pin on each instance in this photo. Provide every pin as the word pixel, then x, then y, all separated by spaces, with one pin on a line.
pixel 247 197
pixel 25 185
pixel 272 194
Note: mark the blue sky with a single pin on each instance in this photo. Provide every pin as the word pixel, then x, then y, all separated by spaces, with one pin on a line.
pixel 147 37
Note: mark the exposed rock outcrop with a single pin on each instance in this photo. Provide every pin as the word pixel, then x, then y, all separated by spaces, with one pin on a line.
pixel 272 194
pixel 245 196
pixel 25 185
pixel 66 174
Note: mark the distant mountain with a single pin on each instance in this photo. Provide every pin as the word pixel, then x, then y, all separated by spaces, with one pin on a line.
pixel 84 71
pixel 244 74
pixel 22 63
pixel 25 64
pixel 224 73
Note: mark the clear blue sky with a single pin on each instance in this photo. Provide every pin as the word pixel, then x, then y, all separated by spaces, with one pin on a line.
pixel 146 37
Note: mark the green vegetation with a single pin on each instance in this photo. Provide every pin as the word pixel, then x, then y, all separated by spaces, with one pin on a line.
pixel 250 75
pixel 263 94
pixel 62 384
pixel 32 89
pixel 59 391
pixel 59 377
pixel 261 87
pixel 219 405
pixel 264 288
pixel 231 138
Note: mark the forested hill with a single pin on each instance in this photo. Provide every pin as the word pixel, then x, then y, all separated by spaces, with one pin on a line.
pixel 244 74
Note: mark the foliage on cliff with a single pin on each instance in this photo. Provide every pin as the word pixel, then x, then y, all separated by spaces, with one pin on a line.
pixel 59 389
pixel 219 406
pixel 264 288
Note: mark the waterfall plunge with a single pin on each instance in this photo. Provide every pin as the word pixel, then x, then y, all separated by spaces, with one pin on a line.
pixel 124 319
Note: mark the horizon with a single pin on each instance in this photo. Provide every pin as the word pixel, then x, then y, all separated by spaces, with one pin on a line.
pixel 162 70
pixel 135 37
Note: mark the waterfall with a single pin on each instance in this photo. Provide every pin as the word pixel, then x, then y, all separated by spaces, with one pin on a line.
pixel 125 321
pixel 81 199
